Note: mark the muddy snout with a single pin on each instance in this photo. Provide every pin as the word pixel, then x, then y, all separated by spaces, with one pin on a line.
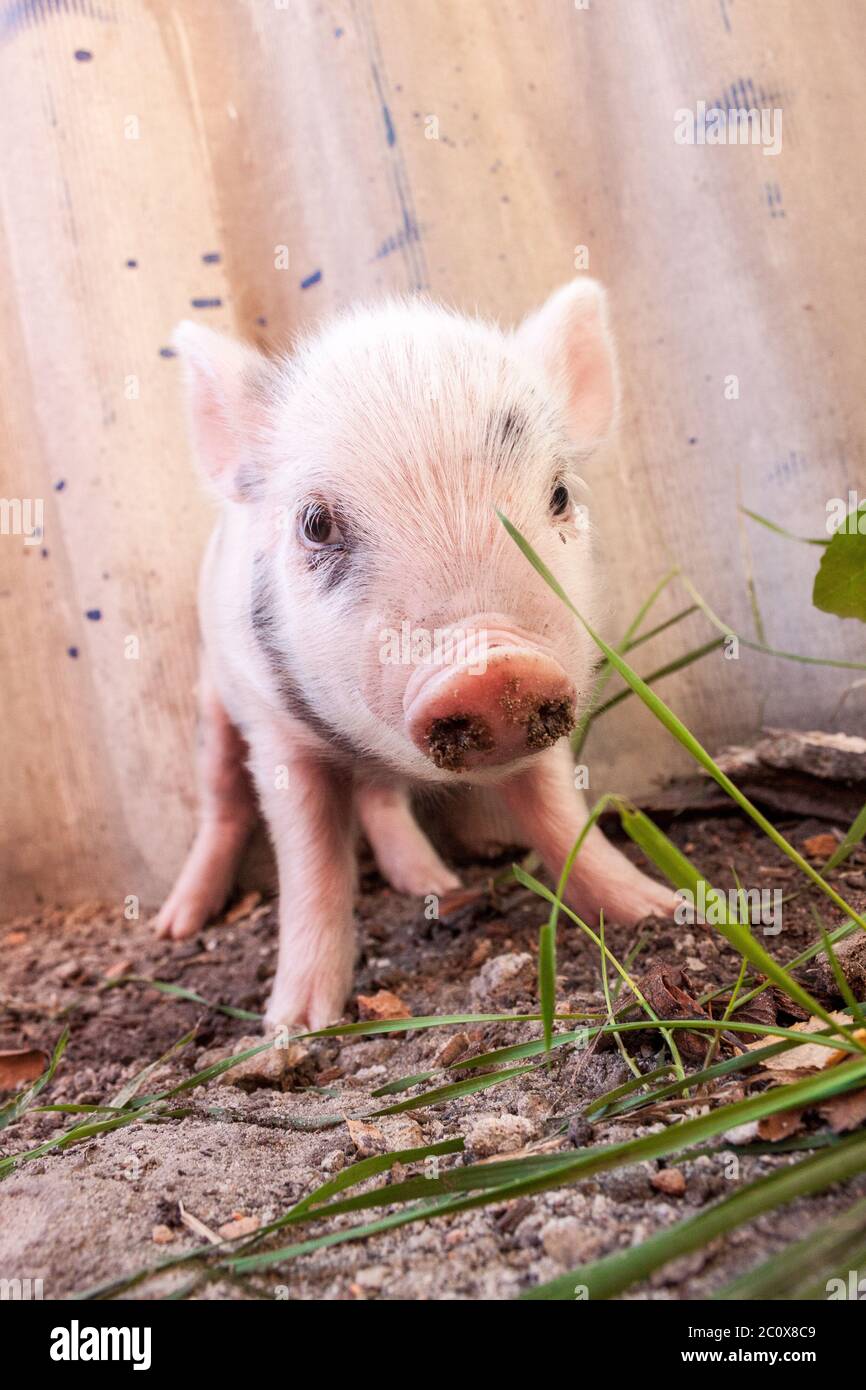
pixel 464 716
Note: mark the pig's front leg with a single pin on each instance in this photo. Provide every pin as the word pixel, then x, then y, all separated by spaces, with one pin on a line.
pixel 227 814
pixel 550 812
pixel 403 853
pixel 308 808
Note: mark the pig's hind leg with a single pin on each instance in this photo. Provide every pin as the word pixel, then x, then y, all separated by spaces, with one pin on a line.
pixel 549 813
pixel 402 851
pixel 227 814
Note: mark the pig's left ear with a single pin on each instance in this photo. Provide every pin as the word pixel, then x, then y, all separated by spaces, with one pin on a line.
pixel 228 388
pixel 570 338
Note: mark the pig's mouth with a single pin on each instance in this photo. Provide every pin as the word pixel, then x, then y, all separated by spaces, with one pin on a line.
pixel 463 718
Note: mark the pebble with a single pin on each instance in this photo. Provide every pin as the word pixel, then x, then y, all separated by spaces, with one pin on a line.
pixel 498 1134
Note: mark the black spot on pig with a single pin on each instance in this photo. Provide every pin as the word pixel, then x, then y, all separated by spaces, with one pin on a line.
pixel 449 740
pixel 295 703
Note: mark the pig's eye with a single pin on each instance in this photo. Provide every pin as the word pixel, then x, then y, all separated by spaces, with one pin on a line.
pixel 560 500
pixel 317 528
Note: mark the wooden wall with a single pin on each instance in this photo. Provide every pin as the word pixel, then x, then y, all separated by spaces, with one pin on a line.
pixel 194 138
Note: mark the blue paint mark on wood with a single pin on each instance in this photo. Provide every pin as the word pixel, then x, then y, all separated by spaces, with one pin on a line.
pixel 311 280
pixel 338 33
pixel 206 302
pixel 73 652
pixel 83 55
pixel 211 257
pixel 167 352
pixel 408 232
pixel 60 485
pixel 94 615
pixel 261 321
pixel 132 264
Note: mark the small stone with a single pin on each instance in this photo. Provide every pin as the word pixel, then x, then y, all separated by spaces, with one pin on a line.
pixel 334 1161
pixel 273 1067
pixel 162 1235
pixel 670 1181
pixel 498 1134
pixel 504 978
pixel 368 1139
pixel 568 1241
pixel 373 1277
pixel 239 1226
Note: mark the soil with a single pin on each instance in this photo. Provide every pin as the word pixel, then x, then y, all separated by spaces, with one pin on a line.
pixel 112 1204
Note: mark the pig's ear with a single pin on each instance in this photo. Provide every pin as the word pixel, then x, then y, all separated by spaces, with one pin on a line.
pixel 570 338
pixel 227 388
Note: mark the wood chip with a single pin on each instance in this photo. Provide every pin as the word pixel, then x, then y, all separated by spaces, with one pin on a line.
pixel 193 1224
pixel 820 846
pixel 456 1045
pixel 23 1064
pixel 248 903
pixel 162 1235
pixel 382 1005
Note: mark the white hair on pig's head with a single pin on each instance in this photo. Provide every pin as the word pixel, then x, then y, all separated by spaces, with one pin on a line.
pixel 371 463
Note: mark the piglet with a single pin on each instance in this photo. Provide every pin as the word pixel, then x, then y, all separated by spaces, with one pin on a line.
pixel 370 631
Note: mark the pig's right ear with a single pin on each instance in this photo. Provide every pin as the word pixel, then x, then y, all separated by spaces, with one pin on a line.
pixel 227 389
pixel 569 336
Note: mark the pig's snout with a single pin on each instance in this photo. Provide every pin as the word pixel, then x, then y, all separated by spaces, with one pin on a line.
pixel 517 701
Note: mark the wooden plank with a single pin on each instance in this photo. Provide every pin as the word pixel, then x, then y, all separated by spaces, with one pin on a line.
pixel 239 129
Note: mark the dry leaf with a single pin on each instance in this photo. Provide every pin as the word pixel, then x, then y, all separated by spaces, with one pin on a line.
pixel 781 1125
pixel 844 1112
pixel 810 1057
pixel 24 1064
pixel 382 1005
pixel 368 1139
pixel 669 991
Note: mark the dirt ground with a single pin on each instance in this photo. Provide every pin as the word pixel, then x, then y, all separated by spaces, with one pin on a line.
pixel 112 1204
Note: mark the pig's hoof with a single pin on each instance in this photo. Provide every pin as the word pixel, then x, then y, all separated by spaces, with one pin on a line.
pixel 422 879
pixel 304 1005
pixel 182 916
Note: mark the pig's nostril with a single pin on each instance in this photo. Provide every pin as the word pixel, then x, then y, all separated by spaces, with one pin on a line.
pixel 550 721
pixel 451 739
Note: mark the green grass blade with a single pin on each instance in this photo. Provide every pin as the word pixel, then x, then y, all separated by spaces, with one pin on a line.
pixel 614 1273
pixel 799 1270
pixel 852 838
pixel 781 531
pixel 15 1108
pixel 682 874
pixel 675 726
